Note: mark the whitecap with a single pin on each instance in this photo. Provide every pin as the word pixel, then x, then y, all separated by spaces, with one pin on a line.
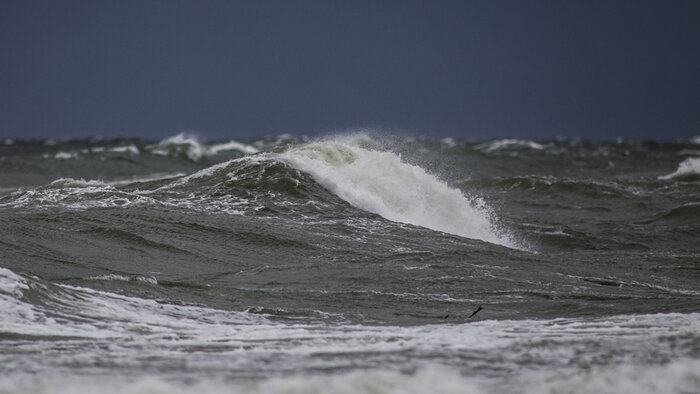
pixel 126 149
pixel 65 155
pixel 508 144
pixel 232 145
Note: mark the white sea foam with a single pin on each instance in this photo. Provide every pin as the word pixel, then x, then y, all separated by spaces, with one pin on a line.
pixel 380 182
pixel 80 194
pixel 104 314
pixel 61 155
pixel 679 376
pixel 687 168
pixel 74 183
pixel 11 283
pixel 428 380
pixel 82 312
pixel 77 194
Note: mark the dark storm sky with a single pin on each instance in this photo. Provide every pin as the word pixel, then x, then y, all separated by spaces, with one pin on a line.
pixel 467 69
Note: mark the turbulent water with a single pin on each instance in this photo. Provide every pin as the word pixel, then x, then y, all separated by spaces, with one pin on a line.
pixel 349 264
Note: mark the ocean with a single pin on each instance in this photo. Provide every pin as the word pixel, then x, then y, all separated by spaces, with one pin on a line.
pixel 349 264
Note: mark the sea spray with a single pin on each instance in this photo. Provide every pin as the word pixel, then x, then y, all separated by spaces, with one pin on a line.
pixel 380 182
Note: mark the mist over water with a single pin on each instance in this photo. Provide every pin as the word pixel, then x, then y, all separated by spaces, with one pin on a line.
pixel 349 264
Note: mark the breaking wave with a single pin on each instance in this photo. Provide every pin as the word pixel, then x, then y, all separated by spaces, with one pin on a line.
pixel 380 182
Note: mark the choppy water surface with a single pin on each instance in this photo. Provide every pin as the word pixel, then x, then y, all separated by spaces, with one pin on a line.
pixel 349 264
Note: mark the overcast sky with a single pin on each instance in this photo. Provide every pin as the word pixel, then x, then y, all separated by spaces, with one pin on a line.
pixel 466 69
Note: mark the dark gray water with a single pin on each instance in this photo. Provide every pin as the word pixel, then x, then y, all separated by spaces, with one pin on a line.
pixel 350 264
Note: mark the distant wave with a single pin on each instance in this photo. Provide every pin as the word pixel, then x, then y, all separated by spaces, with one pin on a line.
pixel 179 146
pixel 508 144
pixel 183 145
pixel 98 150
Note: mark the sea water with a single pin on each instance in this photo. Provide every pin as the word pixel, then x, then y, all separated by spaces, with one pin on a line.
pixel 349 264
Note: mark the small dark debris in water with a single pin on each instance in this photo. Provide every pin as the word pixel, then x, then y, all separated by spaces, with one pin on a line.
pixel 468 317
pixel 475 312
